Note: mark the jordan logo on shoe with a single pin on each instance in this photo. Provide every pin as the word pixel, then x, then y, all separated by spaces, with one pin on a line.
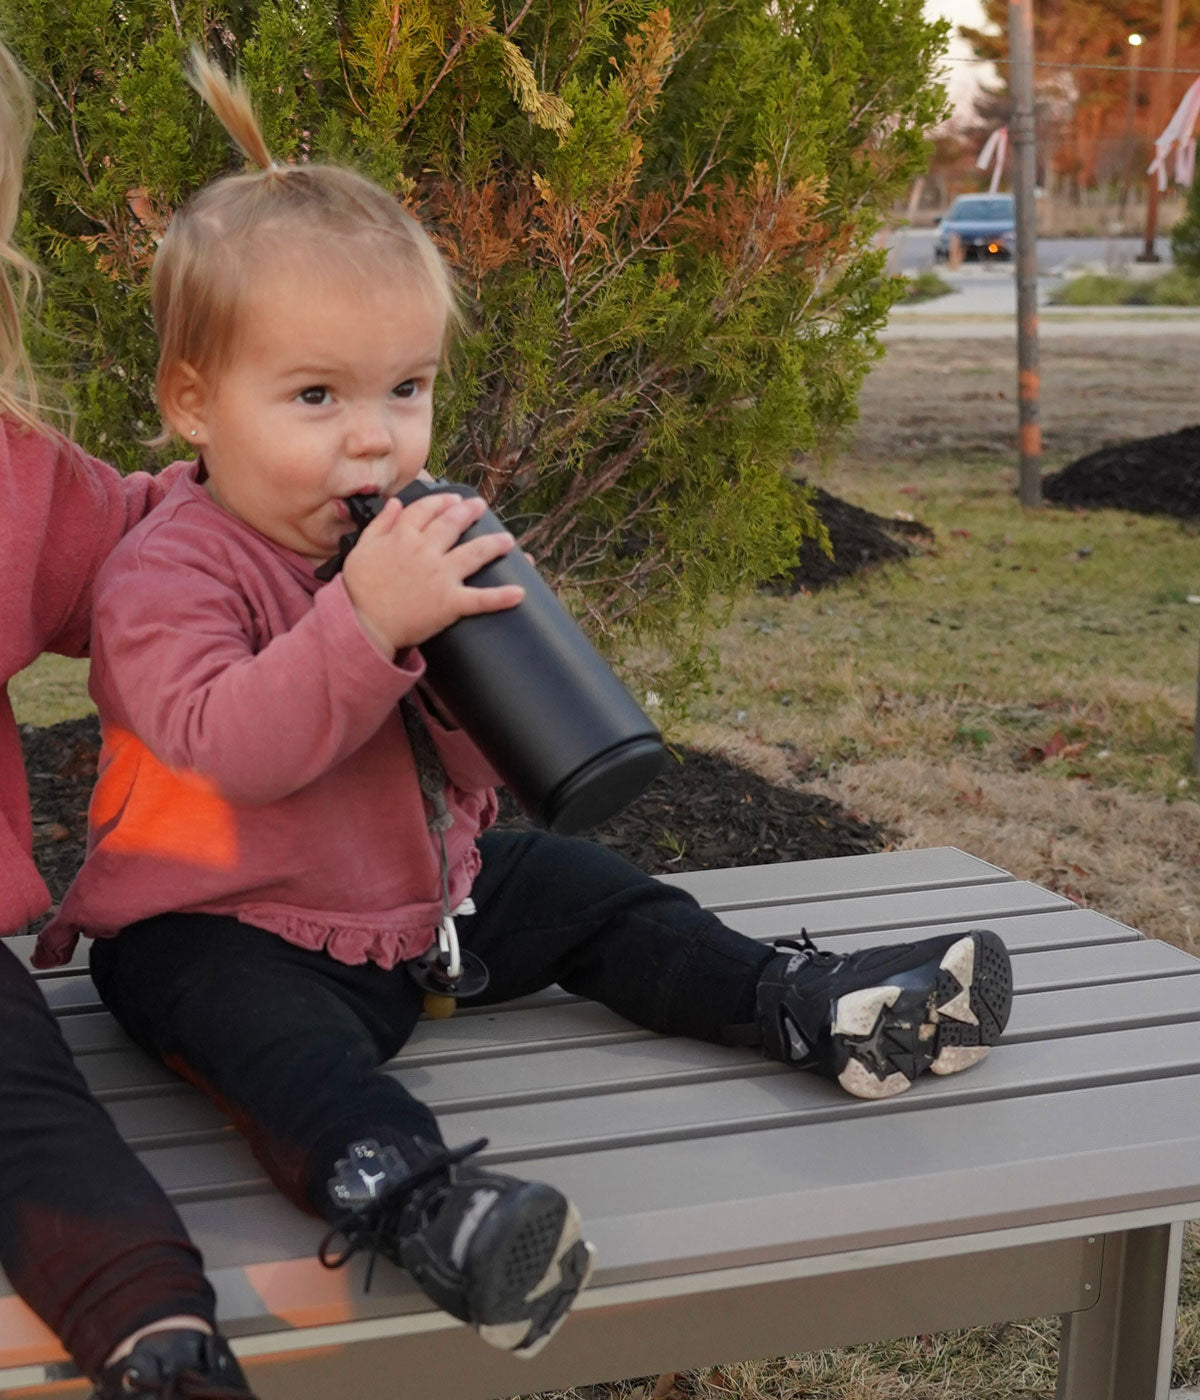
pixel 370 1180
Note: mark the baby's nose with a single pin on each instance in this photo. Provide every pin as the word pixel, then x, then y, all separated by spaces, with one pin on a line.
pixel 370 435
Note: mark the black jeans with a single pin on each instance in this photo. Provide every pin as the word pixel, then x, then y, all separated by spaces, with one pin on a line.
pixel 290 1041
pixel 87 1237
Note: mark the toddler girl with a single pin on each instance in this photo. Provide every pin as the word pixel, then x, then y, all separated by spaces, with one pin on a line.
pixel 262 870
pixel 87 1238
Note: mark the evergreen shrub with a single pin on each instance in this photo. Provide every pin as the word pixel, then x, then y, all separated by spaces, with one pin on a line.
pixel 1185 236
pixel 663 222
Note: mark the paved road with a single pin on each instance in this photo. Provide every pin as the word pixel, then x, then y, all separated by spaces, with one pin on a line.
pixel 914 251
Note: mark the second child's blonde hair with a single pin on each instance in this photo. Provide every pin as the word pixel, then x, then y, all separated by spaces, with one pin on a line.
pixel 18 276
pixel 240 225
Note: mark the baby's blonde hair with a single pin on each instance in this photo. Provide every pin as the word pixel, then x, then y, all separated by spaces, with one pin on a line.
pixel 240 224
pixel 19 398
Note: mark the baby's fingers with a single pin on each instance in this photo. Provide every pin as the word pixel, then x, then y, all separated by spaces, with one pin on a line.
pixel 445 512
pixel 490 600
pixel 472 556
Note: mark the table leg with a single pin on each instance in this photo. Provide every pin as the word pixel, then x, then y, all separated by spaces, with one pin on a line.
pixel 1120 1349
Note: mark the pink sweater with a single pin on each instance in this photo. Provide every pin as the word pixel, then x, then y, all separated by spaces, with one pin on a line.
pixel 254 761
pixel 61 512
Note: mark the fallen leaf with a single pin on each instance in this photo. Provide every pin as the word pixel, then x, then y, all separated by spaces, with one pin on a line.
pixel 1054 745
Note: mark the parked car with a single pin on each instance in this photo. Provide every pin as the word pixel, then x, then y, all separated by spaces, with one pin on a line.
pixel 985 225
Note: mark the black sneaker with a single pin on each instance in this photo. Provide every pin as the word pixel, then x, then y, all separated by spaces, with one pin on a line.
pixel 175 1364
pixel 877 1019
pixel 504 1255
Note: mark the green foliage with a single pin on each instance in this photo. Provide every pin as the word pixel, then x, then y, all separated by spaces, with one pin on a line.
pixel 926 286
pixel 1176 287
pixel 662 223
pixel 1185 236
pixel 1096 289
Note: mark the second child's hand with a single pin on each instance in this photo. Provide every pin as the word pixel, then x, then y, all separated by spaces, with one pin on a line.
pixel 405 576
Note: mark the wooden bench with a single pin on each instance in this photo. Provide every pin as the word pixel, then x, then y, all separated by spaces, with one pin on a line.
pixel 740 1210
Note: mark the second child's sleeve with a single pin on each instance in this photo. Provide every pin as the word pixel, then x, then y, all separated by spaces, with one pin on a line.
pixel 174 663
pixel 93 506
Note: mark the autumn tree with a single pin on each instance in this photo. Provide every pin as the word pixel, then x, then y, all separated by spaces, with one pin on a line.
pixel 1094 93
pixel 662 221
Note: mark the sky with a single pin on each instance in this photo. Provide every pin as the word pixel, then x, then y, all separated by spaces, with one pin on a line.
pixel 960 75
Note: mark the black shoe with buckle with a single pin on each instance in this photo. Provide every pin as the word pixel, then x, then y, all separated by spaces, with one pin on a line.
pixel 876 1019
pixel 178 1363
pixel 505 1255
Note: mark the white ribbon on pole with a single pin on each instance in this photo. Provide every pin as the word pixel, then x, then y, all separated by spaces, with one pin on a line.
pixel 1180 132
pixel 995 148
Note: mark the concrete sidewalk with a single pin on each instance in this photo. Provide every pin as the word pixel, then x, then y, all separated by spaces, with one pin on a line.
pixel 983 305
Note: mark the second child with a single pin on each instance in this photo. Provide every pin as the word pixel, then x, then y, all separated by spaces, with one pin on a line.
pixel 262 868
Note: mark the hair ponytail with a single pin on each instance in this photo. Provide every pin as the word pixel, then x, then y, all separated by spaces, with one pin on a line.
pixel 239 227
pixel 230 103
pixel 18 276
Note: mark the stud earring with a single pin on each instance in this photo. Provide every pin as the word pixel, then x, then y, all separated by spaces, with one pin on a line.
pixel 193 432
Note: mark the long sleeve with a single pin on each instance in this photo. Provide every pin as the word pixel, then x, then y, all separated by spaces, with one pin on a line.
pixel 90 509
pixel 61 512
pixel 177 665
pixel 255 761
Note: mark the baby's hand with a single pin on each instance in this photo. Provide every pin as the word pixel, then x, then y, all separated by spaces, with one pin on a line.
pixel 405 575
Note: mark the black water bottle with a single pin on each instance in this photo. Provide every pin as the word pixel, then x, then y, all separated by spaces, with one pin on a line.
pixel 566 737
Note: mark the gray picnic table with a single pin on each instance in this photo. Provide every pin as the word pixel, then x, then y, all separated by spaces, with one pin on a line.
pixel 740 1210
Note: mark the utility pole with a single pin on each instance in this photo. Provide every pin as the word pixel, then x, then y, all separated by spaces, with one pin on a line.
pixel 1159 109
pixel 1024 139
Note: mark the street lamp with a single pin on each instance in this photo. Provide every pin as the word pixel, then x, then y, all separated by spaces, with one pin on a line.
pixel 1135 53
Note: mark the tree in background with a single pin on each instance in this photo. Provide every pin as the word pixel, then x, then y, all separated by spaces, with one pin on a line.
pixel 1090 133
pixel 662 222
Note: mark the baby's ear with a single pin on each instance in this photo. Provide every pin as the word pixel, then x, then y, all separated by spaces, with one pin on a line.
pixel 183 398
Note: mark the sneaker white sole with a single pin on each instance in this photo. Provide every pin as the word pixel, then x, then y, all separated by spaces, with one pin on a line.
pixel 548 1302
pixel 891 1034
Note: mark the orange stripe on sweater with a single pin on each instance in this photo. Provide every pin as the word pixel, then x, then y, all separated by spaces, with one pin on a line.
pixel 150 809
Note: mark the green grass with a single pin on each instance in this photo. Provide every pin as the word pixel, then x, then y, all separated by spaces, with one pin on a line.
pixel 1173 288
pixel 1016 625
pixel 926 286
pixel 54 688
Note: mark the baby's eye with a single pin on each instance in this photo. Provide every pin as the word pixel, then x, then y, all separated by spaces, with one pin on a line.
pixel 407 389
pixel 315 394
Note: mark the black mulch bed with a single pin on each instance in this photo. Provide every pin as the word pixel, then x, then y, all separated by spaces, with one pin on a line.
pixel 860 539
pixel 703 812
pixel 1152 476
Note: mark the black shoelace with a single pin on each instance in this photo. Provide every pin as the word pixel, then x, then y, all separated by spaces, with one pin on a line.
pixel 803 944
pixel 364 1227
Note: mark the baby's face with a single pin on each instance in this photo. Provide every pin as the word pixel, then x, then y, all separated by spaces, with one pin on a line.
pixel 328 393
